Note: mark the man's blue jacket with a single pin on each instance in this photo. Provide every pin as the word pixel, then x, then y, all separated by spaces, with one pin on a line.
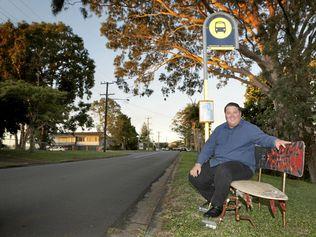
pixel 235 144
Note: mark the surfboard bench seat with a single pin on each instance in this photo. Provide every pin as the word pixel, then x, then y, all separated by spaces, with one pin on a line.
pixel 288 160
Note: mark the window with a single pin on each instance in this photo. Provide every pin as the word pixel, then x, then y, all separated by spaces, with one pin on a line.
pixel 80 139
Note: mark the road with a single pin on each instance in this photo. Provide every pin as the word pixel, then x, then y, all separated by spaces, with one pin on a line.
pixel 75 199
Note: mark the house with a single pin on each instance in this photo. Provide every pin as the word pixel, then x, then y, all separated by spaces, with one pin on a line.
pixel 80 140
pixel 9 140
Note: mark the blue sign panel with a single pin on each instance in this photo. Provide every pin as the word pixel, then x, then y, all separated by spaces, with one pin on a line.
pixel 220 32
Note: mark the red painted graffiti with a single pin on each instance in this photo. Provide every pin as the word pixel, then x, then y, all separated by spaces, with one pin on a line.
pixel 289 159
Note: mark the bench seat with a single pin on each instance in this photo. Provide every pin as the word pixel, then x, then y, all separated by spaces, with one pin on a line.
pixel 287 160
pixel 259 189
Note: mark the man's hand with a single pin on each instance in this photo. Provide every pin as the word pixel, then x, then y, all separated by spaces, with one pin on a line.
pixel 279 143
pixel 196 170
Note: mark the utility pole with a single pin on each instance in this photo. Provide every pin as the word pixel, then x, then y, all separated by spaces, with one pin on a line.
pixel 105 112
pixel 158 140
pixel 148 133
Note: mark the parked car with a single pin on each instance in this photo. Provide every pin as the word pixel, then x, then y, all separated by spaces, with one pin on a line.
pixel 56 148
pixel 184 149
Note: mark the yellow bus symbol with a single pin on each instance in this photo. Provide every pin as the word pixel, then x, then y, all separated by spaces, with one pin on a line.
pixel 220 27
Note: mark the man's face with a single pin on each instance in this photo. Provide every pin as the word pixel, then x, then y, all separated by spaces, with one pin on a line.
pixel 233 116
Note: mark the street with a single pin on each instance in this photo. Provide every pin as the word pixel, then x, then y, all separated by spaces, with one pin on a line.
pixel 78 198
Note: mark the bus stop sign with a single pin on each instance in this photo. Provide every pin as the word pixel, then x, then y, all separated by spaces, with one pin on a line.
pixel 220 32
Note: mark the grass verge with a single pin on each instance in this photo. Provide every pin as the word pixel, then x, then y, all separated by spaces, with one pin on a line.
pixel 181 218
pixel 11 158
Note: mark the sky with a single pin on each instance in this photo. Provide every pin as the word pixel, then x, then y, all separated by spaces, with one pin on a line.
pixel 159 111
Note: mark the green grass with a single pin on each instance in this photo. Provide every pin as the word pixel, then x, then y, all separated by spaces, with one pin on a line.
pixel 10 158
pixel 181 218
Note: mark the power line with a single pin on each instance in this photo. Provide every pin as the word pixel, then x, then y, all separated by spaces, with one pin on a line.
pixel 2 19
pixel 31 10
pixel 14 5
pixel 164 115
pixel 7 15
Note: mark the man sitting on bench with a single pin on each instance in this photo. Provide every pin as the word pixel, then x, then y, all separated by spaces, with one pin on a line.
pixel 232 147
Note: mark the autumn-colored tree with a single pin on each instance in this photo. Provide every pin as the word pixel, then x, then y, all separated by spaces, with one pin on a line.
pixel 186 123
pixel 47 56
pixel 277 42
pixel 157 34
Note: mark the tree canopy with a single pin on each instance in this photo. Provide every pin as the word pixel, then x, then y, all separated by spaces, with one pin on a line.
pixel 35 106
pixel 150 35
pixel 48 60
pixel 145 136
pixel 114 110
pixel 46 54
pixel 124 135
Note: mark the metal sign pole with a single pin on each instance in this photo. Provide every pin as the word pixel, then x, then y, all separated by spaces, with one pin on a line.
pixel 220 32
pixel 205 84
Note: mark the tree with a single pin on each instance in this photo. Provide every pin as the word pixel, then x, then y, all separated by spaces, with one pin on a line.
pixel 277 38
pixel 98 109
pixel 15 109
pixel 186 123
pixel 47 55
pixel 40 106
pixel 78 117
pixel 124 135
pixel 259 109
pixel 145 136
pixel 167 34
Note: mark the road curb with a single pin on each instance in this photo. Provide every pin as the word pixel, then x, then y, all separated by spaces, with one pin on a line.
pixel 141 221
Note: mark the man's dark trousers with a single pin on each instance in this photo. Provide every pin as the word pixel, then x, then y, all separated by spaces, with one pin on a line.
pixel 213 183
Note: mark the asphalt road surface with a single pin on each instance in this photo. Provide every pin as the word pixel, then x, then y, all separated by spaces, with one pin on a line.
pixel 75 199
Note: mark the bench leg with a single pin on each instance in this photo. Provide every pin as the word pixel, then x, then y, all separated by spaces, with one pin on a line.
pixel 283 209
pixel 221 217
pixel 273 207
pixel 248 201
pixel 239 217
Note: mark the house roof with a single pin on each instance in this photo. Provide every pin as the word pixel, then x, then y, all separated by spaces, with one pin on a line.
pixel 78 134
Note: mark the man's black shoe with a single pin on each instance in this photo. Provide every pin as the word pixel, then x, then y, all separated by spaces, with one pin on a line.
pixel 213 212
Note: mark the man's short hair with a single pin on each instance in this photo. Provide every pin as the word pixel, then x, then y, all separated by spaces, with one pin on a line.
pixel 233 104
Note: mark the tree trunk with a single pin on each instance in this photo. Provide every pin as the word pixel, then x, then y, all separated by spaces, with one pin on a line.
pixel 312 164
pixel 196 139
pixel 23 137
pixel 26 136
pixel 16 141
pixel 32 144
pixel 43 139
